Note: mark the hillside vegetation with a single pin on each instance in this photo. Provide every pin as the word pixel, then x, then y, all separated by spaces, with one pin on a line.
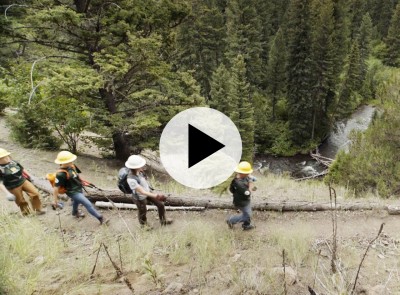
pixel 372 162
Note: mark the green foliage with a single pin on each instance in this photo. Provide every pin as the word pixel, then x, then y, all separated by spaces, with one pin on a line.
pixel 349 92
pixel 323 72
pixel 124 68
pixel 381 12
pixel 231 95
pixel 300 67
pixel 341 34
pixel 3 101
pixel 245 108
pixel 243 37
pixel 31 129
pixel 392 54
pixel 201 42
pixel 372 162
pixel 112 60
pixel 275 71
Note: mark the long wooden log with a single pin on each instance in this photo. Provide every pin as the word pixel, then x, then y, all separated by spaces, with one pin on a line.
pixel 110 205
pixel 212 202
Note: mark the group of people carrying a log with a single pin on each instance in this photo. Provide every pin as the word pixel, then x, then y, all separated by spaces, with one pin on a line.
pixel 14 181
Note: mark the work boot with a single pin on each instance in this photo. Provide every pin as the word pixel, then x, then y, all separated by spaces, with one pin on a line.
pixel 166 221
pixel 104 221
pixel 40 212
pixel 78 215
pixel 248 227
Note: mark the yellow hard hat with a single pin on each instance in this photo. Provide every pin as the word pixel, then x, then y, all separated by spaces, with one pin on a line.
pixel 65 157
pixel 244 168
pixel 4 153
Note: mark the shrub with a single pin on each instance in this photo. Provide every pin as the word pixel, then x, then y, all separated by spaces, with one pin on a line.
pixel 29 127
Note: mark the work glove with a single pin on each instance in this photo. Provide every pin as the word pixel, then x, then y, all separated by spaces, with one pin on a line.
pixel 10 197
pixel 161 197
pixel 252 178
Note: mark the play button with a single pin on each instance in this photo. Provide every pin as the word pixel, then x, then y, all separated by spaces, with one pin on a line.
pixel 200 147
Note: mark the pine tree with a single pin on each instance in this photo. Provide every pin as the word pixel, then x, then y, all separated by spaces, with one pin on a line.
pixel 341 35
pixel 381 12
pixel 276 71
pixel 299 71
pixel 270 14
pixel 392 54
pixel 201 42
pixel 352 83
pixel 243 37
pixel 221 93
pixel 323 92
pixel 365 39
pixel 241 94
pixel 126 44
pixel 357 11
pixel 230 94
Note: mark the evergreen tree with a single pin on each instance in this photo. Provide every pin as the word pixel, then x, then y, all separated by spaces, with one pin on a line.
pixel 357 11
pixel 365 39
pixel 276 71
pixel 323 92
pixel 392 54
pixel 381 12
pixel 201 42
pixel 299 72
pixel 352 83
pixel 243 37
pixel 125 43
pixel 341 34
pixel 270 14
pixel 230 94
pixel 241 94
pixel 365 36
pixel 222 97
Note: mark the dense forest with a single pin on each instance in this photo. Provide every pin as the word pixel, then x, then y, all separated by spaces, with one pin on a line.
pixel 114 73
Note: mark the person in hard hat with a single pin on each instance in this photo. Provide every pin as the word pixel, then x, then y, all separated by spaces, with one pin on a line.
pixel 73 186
pixel 240 188
pixel 141 191
pixel 13 184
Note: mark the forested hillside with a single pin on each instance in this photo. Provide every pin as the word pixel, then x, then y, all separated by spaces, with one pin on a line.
pixel 284 71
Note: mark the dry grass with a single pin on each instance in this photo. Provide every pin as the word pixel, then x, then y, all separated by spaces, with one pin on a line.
pixel 199 252
pixel 26 252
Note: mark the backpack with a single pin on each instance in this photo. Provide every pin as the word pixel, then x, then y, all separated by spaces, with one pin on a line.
pixel 24 173
pixel 123 180
pixel 51 177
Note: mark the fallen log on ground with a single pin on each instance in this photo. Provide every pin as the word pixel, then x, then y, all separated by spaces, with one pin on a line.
pixel 113 205
pixel 212 202
pixel 393 210
pixel 313 176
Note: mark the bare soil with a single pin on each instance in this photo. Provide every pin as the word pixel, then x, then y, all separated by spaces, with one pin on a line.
pixel 355 230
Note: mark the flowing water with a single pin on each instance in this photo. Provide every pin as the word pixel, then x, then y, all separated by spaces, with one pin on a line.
pixel 303 165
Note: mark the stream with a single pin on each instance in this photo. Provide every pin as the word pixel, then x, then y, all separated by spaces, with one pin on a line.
pixel 304 165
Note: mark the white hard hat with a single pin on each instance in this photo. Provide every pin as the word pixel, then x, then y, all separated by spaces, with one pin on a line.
pixel 135 162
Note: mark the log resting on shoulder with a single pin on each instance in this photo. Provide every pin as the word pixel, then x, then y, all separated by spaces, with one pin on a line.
pixel 212 202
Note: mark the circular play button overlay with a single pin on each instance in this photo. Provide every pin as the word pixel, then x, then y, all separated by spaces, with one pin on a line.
pixel 200 147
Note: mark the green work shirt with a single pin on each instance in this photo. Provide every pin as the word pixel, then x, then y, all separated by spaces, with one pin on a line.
pixel 72 183
pixel 11 175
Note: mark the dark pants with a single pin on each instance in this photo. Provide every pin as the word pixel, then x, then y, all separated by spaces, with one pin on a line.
pixel 141 205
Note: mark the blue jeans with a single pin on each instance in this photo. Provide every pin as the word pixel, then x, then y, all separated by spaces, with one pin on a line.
pixel 245 217
pixel 79 198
